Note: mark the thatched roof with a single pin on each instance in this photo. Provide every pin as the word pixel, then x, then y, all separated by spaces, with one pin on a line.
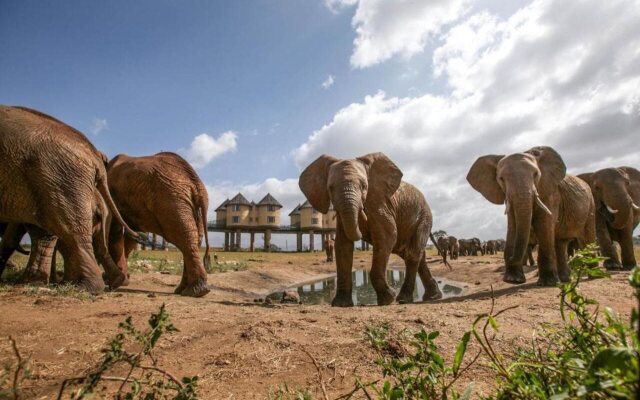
pixel 269 200
pixel 306 204
pixel 239 199
pixel 223 206
pixel 296 211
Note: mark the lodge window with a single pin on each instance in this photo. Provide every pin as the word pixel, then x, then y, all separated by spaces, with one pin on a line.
pixel 236 207
pixel 271 220
pixel 271 207
pixel 236 219
pixel 314 221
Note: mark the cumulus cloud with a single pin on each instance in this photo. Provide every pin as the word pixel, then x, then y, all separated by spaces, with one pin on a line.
pixel 98 125
pixel 565 74
pixel 204 148
pixel 327 83
pixel 400 27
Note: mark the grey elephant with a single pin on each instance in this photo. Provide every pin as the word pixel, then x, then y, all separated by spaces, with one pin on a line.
pixel 449 247
pixel 373 204
pixel 470 247
pixel 616 193
pixel 52 178
pixel 540 195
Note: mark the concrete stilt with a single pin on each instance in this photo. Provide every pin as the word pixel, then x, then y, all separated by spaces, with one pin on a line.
pixel 299 242
pixel 226 241
pixel 267 240
pixel 252 242
pixel 311 244
pixel 238 240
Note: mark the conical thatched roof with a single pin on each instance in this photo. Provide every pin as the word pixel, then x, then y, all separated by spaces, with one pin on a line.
pixel 269 200
pixel 239 199
pixel 296 211
pixel 223 206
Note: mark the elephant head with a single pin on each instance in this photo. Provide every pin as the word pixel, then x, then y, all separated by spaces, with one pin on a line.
pixel 353 186
pixel 523 181
pixel 611 191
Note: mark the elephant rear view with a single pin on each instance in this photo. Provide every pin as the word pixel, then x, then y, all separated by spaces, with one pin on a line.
pixel 50 178
pixel 162 194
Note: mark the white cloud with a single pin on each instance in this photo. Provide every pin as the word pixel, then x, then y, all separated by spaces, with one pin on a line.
pixel 205 148
pixel 336 5
pixel 98 125
pixel 565 74
pixel 327 83
pixel 401 27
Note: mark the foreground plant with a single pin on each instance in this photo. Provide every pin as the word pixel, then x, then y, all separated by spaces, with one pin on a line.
pixel 144 378
pixel 584 357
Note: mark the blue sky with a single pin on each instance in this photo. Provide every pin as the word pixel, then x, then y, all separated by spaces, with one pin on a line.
pixel 237 86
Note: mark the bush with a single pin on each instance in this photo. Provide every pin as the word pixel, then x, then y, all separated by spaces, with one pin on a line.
pixel 585 357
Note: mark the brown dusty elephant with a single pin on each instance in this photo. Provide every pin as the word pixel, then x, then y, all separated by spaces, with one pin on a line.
pixel 162 194
pixel 329 245
pixel 539 195
pixel 49 179
pixel 373 204
pixel 616 192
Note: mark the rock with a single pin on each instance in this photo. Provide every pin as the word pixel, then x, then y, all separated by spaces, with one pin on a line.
pixel 151 295
pixel 290 296
pixel 267 301
pixel 39 302
pixel 289 262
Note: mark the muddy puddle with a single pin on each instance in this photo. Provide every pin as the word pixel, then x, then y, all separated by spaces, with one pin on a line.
pixel 323 290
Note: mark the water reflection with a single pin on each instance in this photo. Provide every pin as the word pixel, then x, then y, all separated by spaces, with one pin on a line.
pixel 322 291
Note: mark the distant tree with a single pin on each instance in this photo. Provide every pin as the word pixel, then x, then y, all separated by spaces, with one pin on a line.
pixel 440 233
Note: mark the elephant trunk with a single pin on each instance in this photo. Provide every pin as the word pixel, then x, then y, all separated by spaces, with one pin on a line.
pixel 522 208
pixel 349 207
pixel 620 206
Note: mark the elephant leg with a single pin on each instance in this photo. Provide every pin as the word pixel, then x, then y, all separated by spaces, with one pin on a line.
pixel 626 249
pixel 514 272
pixel 344 262
pixel 113 276
pixel 10 242
pixel 605 242
pixel 379 276
pixel 409 284
pixel 80 266
pixel 543 225
pixel 431 289
pixel 531 260
pixel 39 265
pixel 562 251
pixel 194 277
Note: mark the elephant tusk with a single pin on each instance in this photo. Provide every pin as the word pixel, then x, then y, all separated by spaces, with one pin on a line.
pixel 635 206
pixel 363 216
pixel 506 207
pixel 542 205
pixel 611 210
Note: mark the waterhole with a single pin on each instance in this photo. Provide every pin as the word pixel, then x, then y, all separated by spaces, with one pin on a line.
pixel 323 290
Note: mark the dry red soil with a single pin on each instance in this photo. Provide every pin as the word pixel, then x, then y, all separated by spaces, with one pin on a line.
pixel 241 349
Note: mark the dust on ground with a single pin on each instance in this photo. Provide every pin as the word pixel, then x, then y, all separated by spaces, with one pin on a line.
pixel 242 349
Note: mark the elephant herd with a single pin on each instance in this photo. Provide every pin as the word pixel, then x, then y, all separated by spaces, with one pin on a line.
pixel 63 192
pixel 545 207
pixel 57 187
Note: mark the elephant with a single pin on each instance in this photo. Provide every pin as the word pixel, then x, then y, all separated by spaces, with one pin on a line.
pixel 329 245
pixel 443 246
pixel 539 196
pixel 374 204
pixel 500 244
pixel 616 193
pixel 491 247
pixel 448 245
pixel 470 247
pixel 52 179
pixel 162 194
pixel 454 247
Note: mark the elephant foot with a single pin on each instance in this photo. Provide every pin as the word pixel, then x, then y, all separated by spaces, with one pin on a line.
pixel 547 279
pixel 404 297
pixel 91 286
pixel 197 289
pixel 115 281
pixel 564 276
pixel 386 298
pixel 514 275
pixel 342 300
pixel 38 278
pixel 628 267
pixel 611 264
pixel 432 291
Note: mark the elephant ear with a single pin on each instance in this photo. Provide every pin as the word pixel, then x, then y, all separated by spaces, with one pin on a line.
pixel 552 169
pixel 313 182
pixel 587 177
pixel 483 177
pixel 384 178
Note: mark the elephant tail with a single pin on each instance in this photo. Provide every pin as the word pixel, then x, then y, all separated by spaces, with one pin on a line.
pixel 101 183
pixel 442 253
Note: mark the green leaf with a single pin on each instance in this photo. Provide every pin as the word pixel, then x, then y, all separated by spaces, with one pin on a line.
pixel 612 358
pixel 460 352
pixel 493 322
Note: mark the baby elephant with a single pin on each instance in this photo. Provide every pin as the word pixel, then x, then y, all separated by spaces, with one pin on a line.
pixel 329 245
pixel 373 204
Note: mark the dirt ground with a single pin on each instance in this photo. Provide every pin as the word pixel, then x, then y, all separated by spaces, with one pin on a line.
pixel 241 349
